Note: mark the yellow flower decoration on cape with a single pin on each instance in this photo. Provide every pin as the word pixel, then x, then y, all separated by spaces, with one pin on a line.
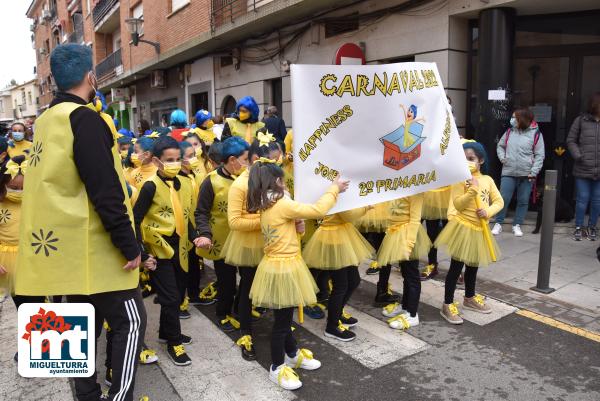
pixel 13 168
pixel 153 135
pixel 265 138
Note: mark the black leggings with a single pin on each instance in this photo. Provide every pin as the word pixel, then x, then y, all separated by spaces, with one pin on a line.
pixel 282 340
pixel 434 228
pixel 375 239
pixel 345 281
pixel 322 279
pixel 193 284
pixel 452 277
pixel 226 276
pixel 243 297
pixel 412 286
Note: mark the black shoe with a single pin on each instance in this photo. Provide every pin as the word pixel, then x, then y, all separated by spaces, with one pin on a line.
pixel 178 355
pixel 386 298
pixel 247 347
pixel 108 378
pixel 185 340
pixel 226 326
pixel 348 320
pixel 592 234
pixel 184 314
pixel 340 333
pixel 16 357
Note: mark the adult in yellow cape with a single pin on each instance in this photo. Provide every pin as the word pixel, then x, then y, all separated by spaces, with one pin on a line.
pixel 244 122
pixel 76 228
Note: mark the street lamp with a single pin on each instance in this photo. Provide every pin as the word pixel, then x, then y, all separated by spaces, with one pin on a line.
pixel 134 25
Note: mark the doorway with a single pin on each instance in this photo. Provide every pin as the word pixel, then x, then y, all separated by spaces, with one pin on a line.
pixel 199 102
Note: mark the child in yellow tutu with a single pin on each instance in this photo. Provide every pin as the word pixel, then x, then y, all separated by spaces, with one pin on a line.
pixel 244 245
pixel 435 214
pixel 464 237
pixel 338 248
pixel 282 279
pixel 373 226
pixel 405 242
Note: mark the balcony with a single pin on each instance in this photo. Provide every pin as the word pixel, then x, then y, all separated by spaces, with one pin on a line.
pixel 106 16
pixel 225 11
pixel 110 67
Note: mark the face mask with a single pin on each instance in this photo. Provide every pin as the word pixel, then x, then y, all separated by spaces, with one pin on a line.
pixel 193 162
pixel 210 124
pixel 18 136
pixel 171 169
pixel 124 154
pixel 14 195
pixel 513 121
pixel 199 151
pixel 135 159
pixel 244 115
pixel 473 167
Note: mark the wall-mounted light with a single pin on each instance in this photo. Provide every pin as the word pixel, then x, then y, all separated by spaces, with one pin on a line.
pixel 134 25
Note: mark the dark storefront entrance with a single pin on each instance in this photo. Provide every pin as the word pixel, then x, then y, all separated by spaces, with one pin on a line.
pixel 555 68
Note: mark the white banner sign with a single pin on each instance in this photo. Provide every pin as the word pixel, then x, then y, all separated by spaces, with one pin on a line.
pixel 386 128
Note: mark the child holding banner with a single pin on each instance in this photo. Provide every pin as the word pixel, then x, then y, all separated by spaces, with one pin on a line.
pixel 282 281
pixel 474 202
pixel 405 242
pixel 338 247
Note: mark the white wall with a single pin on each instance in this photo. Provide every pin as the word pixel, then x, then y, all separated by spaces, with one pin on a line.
pixel 201 71
pixel 426 37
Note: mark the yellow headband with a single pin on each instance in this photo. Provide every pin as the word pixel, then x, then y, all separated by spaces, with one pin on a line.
pixel 154 135
pixel 13 168
pixel 133 140
pixel 265 138
pixel 266 160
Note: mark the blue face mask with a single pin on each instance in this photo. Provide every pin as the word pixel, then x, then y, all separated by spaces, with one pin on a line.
pixel 513 121
pixel 18 136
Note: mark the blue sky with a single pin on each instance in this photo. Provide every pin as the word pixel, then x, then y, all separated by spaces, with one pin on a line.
pixel 17 53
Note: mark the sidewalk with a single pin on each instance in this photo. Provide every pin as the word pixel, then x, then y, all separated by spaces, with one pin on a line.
pixel 575 274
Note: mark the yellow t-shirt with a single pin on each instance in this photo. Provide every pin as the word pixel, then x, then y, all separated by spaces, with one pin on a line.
pixel 407 211
pixel 20 148
pixel 463 203
pixel 278 222
pixel 237 212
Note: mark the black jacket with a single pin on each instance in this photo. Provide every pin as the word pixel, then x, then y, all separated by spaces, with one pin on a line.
pixel 92 153
pixel 584 144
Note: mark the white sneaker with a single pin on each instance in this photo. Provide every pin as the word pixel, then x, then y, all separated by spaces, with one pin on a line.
pixel 303 360
pixel 285 377
pixel 403 321
pixel 392 310
pixel 516 229
pixel 497 229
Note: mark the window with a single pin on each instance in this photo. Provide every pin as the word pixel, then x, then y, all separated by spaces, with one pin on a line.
pixel 1 106
pixel 226 60
pixel 47 46
pixel 29 99
pixel 138 12
pixel 341 25
pixel 23 97
pixel 177 4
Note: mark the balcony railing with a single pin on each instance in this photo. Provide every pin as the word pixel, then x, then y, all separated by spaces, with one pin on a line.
pixel 108 66
pixel 102 8
pixel 224 11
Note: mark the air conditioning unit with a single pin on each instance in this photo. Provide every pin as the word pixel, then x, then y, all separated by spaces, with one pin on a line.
pixel 43 51
pixel 158 79
pixel 46 14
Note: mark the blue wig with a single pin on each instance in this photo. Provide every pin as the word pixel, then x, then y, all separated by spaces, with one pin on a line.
pixel 249 103
pixel 163 131
pixel 202 116
pixel 179 118
pixel 69 64
pixel 183 146
pixel 479 152
pixel 145 143
pixel 124 140
pixel 413 108
pixel 233 146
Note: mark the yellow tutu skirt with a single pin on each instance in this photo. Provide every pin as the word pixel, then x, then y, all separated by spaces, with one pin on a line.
pixel 435 204
pixel 283 282
pixel 375 220
pixel 243 248
pixel 394 247
pixel 8 259
pixel 465 242
pixel 335 247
